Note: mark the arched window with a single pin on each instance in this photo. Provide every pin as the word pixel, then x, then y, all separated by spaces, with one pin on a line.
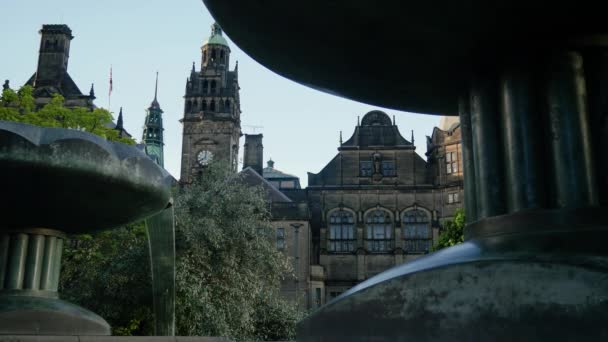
pixel 212 106
pixel 194 106
pixel 341 232
pixel 222 56
pixel 213 55
pixel 204 56
pixel 417 231
pixel 213 85
pixel 227 105
pixel 204 103
pixel 188 106
pixel 205 86
pixel 378 231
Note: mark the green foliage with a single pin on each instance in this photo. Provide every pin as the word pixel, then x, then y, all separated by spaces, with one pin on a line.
pixel 452 233
pixel 228 269
pixel 275 319
pixel 20 107
pixel 109 274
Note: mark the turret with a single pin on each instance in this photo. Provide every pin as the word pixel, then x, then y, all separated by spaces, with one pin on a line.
pixel 53 54
pixel 153 130
pixel 215 50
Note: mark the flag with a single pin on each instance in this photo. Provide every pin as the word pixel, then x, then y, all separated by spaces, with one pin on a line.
pixel 110 91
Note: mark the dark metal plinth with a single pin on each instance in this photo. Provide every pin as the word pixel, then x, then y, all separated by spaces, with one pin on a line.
pixel 538 286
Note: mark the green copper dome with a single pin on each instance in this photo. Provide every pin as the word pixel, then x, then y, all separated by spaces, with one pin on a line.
pixel 216 36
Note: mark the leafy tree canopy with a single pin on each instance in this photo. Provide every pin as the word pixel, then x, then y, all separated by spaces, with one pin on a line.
pixel 109 274
pixel 452 233
pixel 228 270
pixel 20 107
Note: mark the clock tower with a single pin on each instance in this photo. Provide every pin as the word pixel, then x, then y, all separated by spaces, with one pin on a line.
pixel 212 111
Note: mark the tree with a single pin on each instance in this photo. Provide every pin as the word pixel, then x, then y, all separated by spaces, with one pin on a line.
pixel 452 233
pixel 20 107
pixel 228 269
pixel 109 274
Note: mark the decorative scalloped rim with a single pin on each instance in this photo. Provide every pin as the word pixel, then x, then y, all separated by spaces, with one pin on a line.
pixel 122 153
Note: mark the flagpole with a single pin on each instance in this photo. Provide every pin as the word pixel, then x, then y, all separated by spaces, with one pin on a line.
pixel 110 92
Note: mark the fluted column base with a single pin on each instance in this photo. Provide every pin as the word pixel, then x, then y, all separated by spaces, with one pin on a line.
pixel 30 263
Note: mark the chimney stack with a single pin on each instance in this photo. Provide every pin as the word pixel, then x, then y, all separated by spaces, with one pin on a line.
pixel 254 153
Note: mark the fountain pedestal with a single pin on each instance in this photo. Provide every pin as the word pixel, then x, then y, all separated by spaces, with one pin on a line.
pixel 66 181
pixel 530 84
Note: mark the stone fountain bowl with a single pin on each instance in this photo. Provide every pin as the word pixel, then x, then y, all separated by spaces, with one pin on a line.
pixel 74 181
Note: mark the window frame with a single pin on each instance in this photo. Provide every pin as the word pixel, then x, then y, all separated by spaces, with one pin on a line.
pixel 453 197
pixel 341 231
pixel 451 161
pixel 414 239
pixel 369 171
pixel 392 172
pixel 383 224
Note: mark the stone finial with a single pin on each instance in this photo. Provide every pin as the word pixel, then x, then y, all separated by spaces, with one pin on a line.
pixel 119 123
pixel 270 163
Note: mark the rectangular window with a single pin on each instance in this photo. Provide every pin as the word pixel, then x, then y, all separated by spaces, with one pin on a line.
pixel 365 169
pixel 453 198
pixel 416 231
pixel 379 237
pixel 388 168
pixel 280 238
pixel 317 302
pixel 341 238
pixel 451 163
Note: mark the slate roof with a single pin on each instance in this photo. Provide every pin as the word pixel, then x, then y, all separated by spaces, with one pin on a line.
pixel 67 87
pixel 271 173
pixel 252 178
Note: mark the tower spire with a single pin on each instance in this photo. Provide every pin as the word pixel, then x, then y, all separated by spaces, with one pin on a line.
pixel 156 87
pixel 154 103
pixel 119 123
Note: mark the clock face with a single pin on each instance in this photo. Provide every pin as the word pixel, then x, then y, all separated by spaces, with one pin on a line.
pixel 204 157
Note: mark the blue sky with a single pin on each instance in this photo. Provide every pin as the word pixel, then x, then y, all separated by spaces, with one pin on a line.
pixel 139 37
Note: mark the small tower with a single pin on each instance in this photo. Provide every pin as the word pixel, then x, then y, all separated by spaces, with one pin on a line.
pixel 153 130
pixel 254 153
pixel 51 76
pixel 53 55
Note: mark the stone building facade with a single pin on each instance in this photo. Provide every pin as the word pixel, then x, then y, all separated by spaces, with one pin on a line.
pixel 375 205
pixel 212 111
